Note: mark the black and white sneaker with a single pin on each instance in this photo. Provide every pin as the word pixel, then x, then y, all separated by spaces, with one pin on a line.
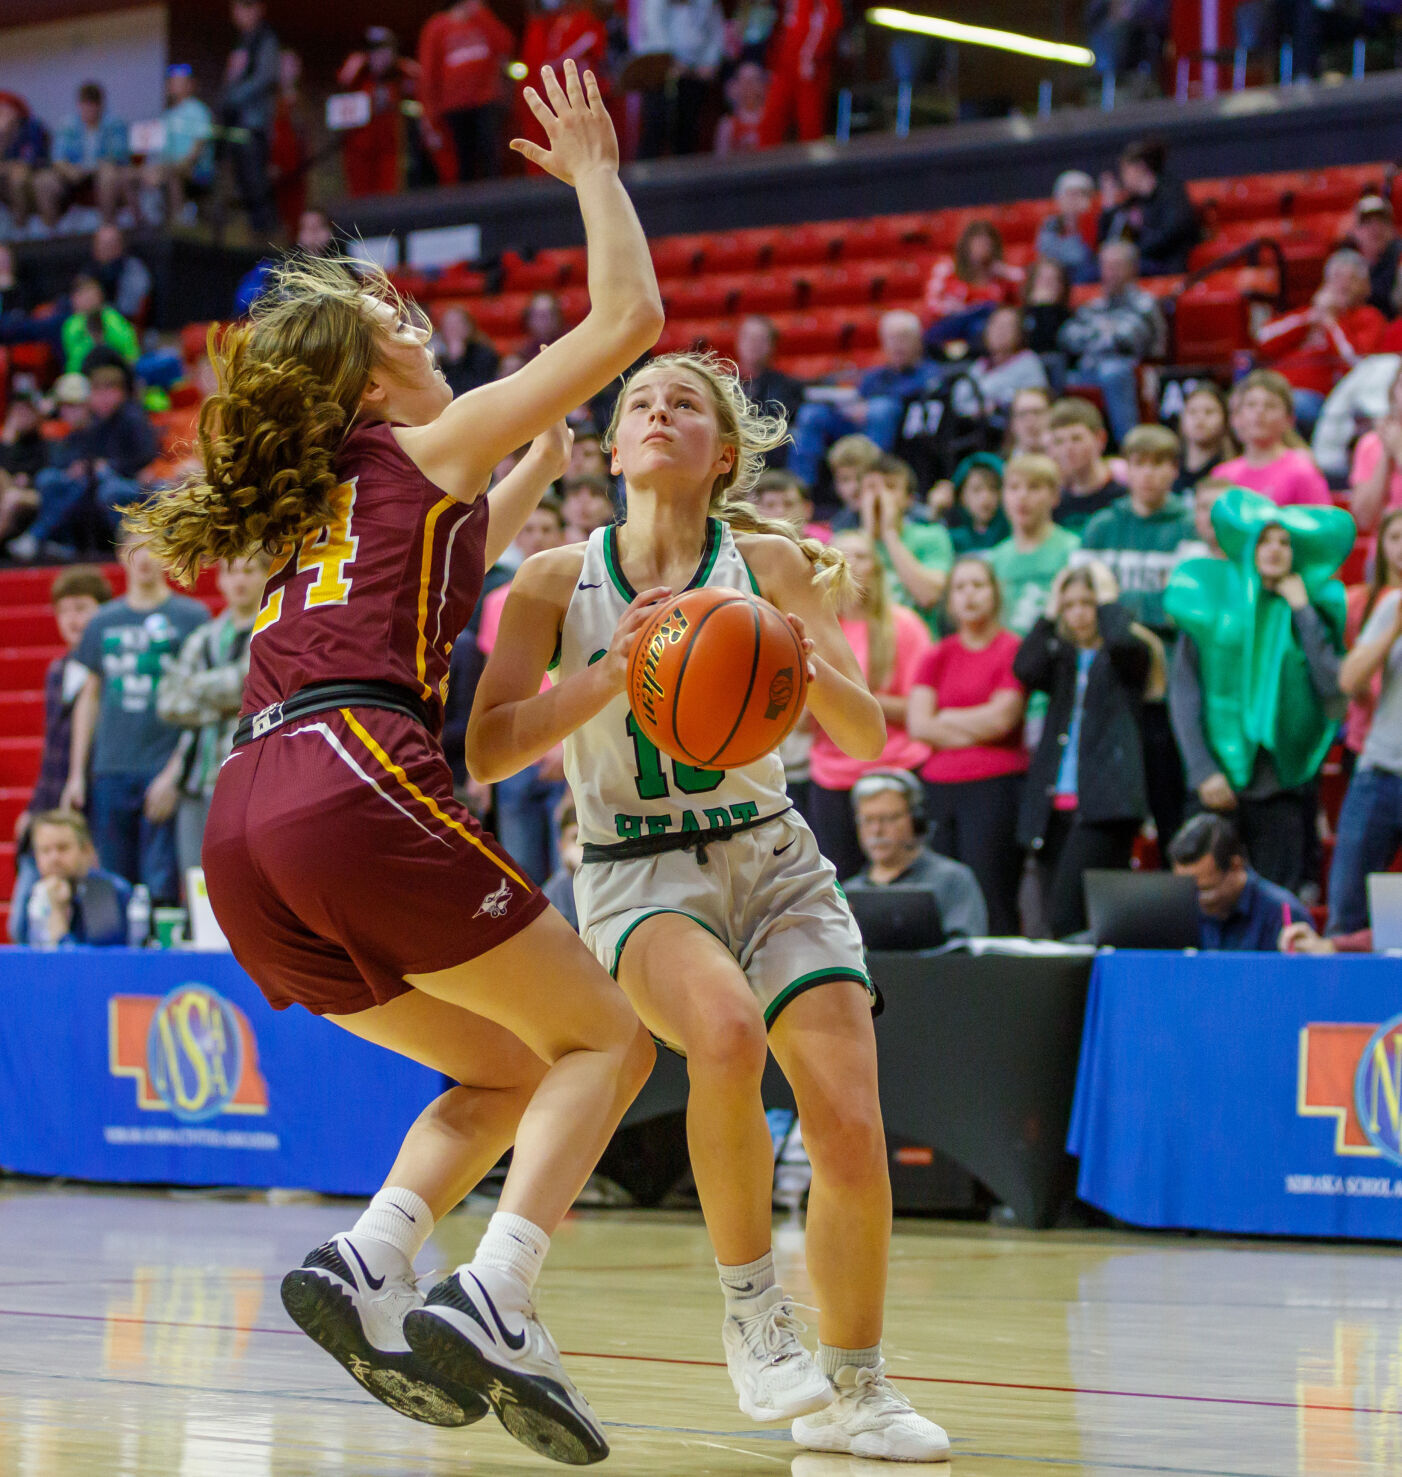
pixel 358 1319
pixel 478 1328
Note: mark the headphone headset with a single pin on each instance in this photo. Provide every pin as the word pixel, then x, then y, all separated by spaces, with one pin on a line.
pixel 902 780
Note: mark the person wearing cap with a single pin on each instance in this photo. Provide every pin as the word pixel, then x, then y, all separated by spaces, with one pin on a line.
pixel 1374 237
pixel 977 521
pixel 183 169
pixel 89 158
pixel 93 471
pixel 889 805
pixel 370 154
pixel 1068 235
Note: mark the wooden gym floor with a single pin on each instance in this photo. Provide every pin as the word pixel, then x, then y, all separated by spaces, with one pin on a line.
pixel 141 1335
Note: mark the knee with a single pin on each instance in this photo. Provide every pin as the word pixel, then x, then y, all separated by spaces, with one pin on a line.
pixel 731 1047
pixel 846 1143
pixel 637 1062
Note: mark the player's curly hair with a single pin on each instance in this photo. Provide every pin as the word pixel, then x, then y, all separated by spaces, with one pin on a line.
pixel 291 377
pixel 753 433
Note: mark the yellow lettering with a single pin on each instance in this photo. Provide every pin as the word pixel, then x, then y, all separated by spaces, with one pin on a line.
pixel 1387 1078
pixel 327 553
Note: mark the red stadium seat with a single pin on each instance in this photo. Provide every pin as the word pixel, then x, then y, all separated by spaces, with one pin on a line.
pixel 886 236
pixel 502 315
pixel 738 251
pixel 802 246
pixel 1252 199
pixel 906 280
pixel 1334 190
pixel 824 331
pixel 1211 323
pixel 1020 222
pixel 676 256
pixel 701 297
pixel 776 292
pixel 548 269
pixel 849 286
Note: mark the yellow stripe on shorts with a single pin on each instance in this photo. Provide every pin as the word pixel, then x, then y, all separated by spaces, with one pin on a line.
pixel 432 805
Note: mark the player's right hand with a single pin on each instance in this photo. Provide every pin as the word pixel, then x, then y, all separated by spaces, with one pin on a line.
pixel 576 123
pixel 625 633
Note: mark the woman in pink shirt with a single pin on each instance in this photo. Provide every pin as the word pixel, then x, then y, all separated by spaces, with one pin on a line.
pixel 889 642
pixel 968 706
pixel 1375 480
pixel 1274 460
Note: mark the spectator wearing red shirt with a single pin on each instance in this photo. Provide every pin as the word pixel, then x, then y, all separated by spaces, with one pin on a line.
pixel 967 705
pixel 290 144
pixel 370 154
pixel 557 31
pixel 1315 347
pixel 800 66
pixel 463 54
pixel 741 131
pixel 963 290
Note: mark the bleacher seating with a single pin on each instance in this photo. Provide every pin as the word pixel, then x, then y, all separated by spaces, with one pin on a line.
pixel 800 273
pixel 28 643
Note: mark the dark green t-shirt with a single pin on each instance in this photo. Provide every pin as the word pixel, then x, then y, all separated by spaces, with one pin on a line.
pixel 1141 553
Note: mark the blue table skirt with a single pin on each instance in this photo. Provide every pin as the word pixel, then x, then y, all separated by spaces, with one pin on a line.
pixel 1243 1093
pixel 150 1067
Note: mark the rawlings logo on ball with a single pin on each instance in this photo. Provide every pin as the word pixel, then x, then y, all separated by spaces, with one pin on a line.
pixel 667 634
pixel 780 693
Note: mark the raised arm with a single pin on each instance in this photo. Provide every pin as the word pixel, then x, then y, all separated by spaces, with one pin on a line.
pixel 513 722
pixel 458 450
pixel 838 696
pixel 518 494
pixel 1370 651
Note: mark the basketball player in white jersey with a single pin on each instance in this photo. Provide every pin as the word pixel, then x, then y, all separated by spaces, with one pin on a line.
pixel 706 895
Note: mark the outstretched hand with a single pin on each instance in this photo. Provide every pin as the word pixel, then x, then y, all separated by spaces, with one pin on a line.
pixel 576 123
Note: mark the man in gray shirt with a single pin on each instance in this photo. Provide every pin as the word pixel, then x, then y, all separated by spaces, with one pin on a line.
pixel 890 810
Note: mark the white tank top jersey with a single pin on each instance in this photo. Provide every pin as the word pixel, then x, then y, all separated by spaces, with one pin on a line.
pixel 623 787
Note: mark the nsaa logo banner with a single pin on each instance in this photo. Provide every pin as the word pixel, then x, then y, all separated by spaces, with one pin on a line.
pixel 1353 1074
pixel 192 1053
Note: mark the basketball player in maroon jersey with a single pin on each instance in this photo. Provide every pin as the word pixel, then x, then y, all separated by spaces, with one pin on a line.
pixel 346 876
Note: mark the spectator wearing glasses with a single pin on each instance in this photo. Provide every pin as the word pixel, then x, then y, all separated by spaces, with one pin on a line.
pixel 889 809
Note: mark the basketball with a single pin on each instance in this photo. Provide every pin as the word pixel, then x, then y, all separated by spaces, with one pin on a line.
pixel 717 678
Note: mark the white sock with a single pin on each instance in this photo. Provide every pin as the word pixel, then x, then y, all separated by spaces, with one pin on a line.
pixel 830 1360
pixel 398 1218
pixel 743 1284
pixel 515 1246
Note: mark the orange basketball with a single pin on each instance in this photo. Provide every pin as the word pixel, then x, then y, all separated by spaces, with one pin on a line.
pixel 717 678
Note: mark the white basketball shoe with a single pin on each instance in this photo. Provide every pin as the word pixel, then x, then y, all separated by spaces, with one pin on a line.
pixel 871 1418
pixel 775 1377
pixel 479 1328
pixel 358 1319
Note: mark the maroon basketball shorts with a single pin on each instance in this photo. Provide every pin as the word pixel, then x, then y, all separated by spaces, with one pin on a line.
pixel 338 861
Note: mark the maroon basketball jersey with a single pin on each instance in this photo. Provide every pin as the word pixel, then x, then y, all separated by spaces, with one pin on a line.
pixel 381 593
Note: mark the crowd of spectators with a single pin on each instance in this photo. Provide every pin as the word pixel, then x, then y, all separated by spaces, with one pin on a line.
pixel 1087 629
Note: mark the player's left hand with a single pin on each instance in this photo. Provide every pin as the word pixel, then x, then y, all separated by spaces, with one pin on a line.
pixel 551 450
pixel 796 621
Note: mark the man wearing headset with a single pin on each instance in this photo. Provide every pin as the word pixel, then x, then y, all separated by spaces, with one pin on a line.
pixel 890 810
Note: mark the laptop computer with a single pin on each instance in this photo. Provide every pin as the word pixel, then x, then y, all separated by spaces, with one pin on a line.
pixel 1141 910
pixel 1385 910
pixel 897 917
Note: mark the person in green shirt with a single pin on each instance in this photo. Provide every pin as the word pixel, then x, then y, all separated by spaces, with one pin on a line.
pixel 1141 539
pixel 93 324
pixel 1037 550
pixel 917 555
pixel 977 521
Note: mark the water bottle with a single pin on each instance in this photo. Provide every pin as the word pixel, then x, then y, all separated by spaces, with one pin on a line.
pixel 38 911
pixel 139 917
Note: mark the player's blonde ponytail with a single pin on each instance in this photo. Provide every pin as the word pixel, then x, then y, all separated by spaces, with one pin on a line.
pixel 291 377
pixel 753 433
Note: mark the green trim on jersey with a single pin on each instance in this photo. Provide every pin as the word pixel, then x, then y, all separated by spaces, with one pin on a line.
pixel 804 982
pixel 709 554
pixel 750 574
pixel 653 913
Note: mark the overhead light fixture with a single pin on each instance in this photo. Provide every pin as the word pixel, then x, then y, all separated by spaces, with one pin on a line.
pixel 930 25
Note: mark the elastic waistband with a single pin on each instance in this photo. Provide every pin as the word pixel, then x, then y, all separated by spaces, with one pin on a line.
pixel 698 841
pixel 320 697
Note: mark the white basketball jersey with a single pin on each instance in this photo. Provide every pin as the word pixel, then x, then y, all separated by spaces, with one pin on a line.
pixel 623 787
